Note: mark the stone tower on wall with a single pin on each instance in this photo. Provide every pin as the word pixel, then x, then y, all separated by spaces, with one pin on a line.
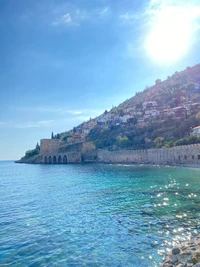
pixel 49 146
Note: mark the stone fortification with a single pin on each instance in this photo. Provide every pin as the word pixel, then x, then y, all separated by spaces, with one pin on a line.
pixel 49 146
pixel 180 155
pixel 123 156
pixel 49 153
pixel 189 154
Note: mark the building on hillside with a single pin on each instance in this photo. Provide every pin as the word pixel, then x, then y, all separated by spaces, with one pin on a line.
pixel 77 136
pixel 197 86
pixel 125 118
pixel 92 123
pixel 149 105
pixel 179 111
pixel 158 81
pixel 196 131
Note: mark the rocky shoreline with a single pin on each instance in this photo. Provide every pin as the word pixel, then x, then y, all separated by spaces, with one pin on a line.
pixel 184 255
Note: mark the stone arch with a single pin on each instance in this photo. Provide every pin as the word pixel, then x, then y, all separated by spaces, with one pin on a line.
pixel 59 159
pixel 65 159
pixel 45 160
pixel 49 160
pixel 54 159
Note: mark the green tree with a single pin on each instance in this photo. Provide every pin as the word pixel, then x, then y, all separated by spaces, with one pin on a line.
pixel 198 117
pixel 37 147
pixel 159 141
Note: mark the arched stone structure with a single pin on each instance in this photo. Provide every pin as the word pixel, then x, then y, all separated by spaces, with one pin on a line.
pixel 62 158
pixel 54 159
pixel 49 160
pixel 65 159
pixel 45 160
pixel 59 159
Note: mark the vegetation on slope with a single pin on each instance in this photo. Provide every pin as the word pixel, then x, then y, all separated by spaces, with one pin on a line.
pixel 162 115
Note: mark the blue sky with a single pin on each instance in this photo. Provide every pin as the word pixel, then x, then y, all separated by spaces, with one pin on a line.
pixel 62 62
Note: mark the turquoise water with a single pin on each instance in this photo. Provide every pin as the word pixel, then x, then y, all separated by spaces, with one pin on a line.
pixel 95 215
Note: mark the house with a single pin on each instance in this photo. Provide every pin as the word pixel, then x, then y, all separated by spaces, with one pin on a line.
pixel 155 113
pixel 77 136
pixel 196 131
pixel 92 123
pixel 197 86
pixel 179 111
pixel 158 81
pixel 149 104
pixel 125 118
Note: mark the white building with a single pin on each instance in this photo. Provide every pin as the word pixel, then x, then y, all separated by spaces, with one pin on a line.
pixel 196 131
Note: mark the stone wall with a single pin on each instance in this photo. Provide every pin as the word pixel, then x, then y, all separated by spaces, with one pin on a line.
pixel 188 155
pixel 49 153
pixel 181 155
pixel 49 146
pixel 61 158
pixel 123 156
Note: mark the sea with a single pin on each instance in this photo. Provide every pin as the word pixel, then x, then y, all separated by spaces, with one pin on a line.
pixel 95 214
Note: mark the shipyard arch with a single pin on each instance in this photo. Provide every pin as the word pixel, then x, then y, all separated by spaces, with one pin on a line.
pixel 50 160
pixel 54 159
pixel 45 160
pixel 59 159
pixel 65 159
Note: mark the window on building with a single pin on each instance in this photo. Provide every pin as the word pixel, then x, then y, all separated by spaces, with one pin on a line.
pixel 185 157
pixel 179 157
pixel 192 157
pixel 198 156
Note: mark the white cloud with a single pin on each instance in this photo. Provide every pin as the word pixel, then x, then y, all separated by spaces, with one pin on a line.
pixel 130 17
pixel 104 11
pixel 65 20
pixel 42 123
pixel 73 16
pixel 159 9
pixel 61 111
pixel 155 9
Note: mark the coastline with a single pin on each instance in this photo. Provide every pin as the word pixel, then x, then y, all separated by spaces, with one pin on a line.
pixel 194 166
pixel 186 254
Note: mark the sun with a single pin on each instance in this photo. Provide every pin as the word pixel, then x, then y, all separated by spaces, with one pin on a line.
pixel 170 38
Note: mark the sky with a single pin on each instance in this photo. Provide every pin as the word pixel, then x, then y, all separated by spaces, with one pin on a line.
pixel 64 61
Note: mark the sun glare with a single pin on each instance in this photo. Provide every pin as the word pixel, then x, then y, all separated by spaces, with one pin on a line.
pixel 170 38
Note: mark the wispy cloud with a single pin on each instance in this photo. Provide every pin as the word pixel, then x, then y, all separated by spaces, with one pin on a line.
pixel 73 16
pixel 65 20
pixel 158 8
pixel 130 17
pixel 27 124
pixel 104 11
pixel 61 111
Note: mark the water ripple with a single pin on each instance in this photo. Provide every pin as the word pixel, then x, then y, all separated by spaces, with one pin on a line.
pixel 94 215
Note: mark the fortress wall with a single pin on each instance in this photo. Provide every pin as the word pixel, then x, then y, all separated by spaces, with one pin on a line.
pixel 73 157
pixel 49 146
pixel 122 156
pixel 188 154
pixel 69 157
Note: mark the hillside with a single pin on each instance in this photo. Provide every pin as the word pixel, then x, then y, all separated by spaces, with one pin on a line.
pixel 162 115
